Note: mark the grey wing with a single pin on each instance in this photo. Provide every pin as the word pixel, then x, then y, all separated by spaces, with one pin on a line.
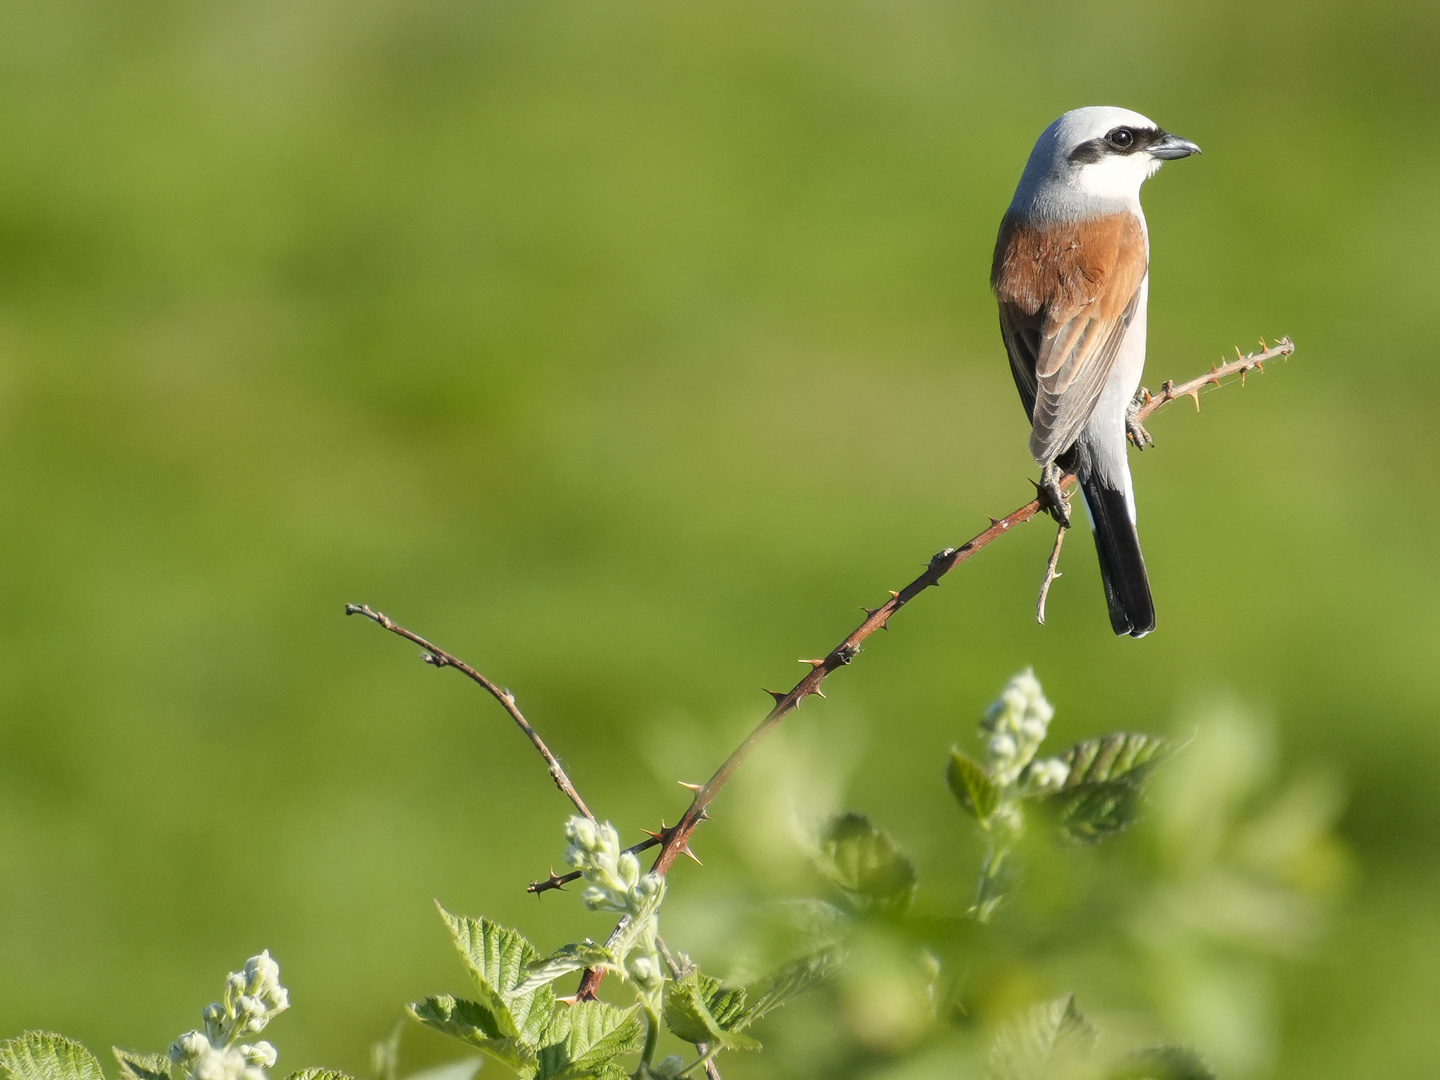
pixel 1080 353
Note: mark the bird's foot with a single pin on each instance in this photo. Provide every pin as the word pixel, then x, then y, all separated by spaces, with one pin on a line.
pixel 1133 428
pixel 1052 497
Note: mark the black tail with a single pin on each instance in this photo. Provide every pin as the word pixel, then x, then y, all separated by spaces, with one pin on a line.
pixel 1122 567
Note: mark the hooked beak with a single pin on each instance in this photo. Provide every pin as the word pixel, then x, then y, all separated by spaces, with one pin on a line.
pixel 1171 147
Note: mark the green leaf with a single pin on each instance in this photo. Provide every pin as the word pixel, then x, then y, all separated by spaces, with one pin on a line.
pixel 790 982
pixel 866 863
pixel 498 959
pixel 700 1009
pixel 972 785
pixel 577 957
pixel 135 1066
pixel 1164 1063
pixel 1102 791
pixel 43 1055
pixel 474 1024
pixel 1124 755
pixel 584 1039
pixel 1047 1037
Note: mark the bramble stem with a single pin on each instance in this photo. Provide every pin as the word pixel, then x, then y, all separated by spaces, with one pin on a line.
pixel 438 657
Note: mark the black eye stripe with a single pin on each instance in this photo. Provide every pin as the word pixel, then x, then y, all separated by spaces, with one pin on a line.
pixel 1092 150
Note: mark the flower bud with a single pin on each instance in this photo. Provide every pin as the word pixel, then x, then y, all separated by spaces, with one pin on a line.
pixel 598 899
pixel 188 1047
pixel 218 1065
pixel 642 970
pixel 607 839
pixel 649 889
pixel 248 1007
pixel 1049 774
pixel 580 831
pixel 261 1055
pixel 261 972
pixel 628 868
pixel 1001 747
pixel 234 987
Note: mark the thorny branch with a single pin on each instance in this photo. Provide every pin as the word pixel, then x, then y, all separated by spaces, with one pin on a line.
pixel 676 839
pixel 437 657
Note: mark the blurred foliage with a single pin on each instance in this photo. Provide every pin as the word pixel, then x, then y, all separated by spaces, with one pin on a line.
pixel 1173 933
pixel 623 349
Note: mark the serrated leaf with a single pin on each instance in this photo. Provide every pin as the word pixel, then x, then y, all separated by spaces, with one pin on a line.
pixel 576 957
pixel 584 1039
pixel 1047 1037
pixel 472 1023
pixel 1102 791
pixel 972 786
pixel 701 1009
pixel 135 1066
pixel 319 1074
pixel 789 982
pixel 1164 1063
pixel 43 1055
pixel 498 959
pixel 866 863
pixel 1123 755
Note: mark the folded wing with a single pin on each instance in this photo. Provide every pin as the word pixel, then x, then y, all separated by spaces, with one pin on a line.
pixel 1067 295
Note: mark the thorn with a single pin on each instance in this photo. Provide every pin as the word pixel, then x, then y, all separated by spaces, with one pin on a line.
pixel 894 595
pixel 996 521
pixel 814 663
pixel 1196 395
pixel 705 815
pixel 778 695
pixel 1238 356
pixel 686 851
pixel 1242 377
pixel 869 611
pixel 692 787
pixel 658 837
pixel 818 692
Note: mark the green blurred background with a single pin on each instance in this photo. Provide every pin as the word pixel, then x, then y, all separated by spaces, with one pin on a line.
pixel 624 349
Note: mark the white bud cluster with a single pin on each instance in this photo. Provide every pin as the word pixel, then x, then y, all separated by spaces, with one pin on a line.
pixel 252 998
pixel 1016 724
pixel 613 878
pixel 614 882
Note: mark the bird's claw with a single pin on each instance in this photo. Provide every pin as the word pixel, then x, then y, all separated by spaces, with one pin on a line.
pixel 1052 497
pixel 1135 430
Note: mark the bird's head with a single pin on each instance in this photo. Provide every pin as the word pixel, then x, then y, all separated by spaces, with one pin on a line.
pixel 1101 152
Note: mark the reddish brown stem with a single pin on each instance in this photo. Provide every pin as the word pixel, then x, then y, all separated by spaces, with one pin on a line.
pixel 438 657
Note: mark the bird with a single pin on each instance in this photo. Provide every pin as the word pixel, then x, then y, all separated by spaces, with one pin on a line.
pixel 1071 274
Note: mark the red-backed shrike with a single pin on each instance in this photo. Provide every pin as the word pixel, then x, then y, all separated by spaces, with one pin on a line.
pixel 1071 273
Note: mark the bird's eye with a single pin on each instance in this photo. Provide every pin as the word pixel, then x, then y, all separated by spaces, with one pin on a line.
pixel 1122 138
